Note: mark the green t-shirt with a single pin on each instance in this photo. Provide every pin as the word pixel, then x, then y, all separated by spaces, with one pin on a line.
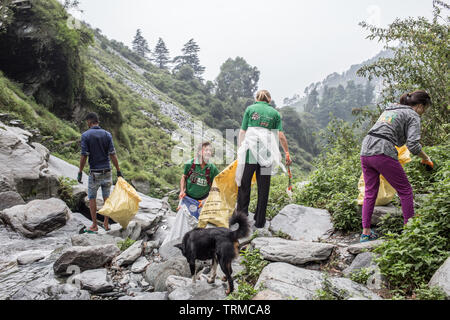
pixel 197 185
pixel 261 114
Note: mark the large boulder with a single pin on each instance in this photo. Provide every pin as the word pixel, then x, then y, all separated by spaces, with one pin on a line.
pixel 86 239
pixel 293 252
pixel 50 290
pixel 362 260
pixel 358 248
pixel 441 277
pixel 25 167
pixel 303 223
pixel 38 217
pixel 297 283
pixel 85 258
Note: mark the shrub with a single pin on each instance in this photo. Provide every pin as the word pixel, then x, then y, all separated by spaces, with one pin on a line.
pixel 254 263
pixel 245 291
pixel 125 244
pixel 361 275
pixel 424 292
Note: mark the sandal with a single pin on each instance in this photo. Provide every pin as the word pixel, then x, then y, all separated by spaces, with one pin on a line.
pixel 365 238
pixel 86 230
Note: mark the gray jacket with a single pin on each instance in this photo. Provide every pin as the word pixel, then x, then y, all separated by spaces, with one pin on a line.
pixel 397 125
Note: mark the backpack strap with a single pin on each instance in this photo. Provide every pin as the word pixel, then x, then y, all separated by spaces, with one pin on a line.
pixel 191 170
pixel 208 177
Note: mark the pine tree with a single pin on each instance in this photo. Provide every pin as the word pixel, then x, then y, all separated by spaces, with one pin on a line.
pixel 161 54
pixel 140 45
pixel 190 57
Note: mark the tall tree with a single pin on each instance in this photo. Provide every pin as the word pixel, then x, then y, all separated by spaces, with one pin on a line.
pixel 421 62
pixel 140 45
pixel 237 79
pixel 161 54
pixel 189 57
pixel 312 101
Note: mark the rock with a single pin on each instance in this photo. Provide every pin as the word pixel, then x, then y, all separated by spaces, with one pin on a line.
pixel 85 258
pixel 10 199
pixel 441 277
pixel 139 265
pixel 79 192
pixel 365 246
pixel 268 295
pixel 293 252
pixel 181 288
pixel 362 260
pixel 129 255
pixel 163 229
pixel 380 211
pixel 32 256
pixel 95 281
pixel 303 223
pixel 146 220
pixel 297 283
pixel 50 290
pixel 376 280
pixel 157 273
pixel 255 232
pixel 43 151
pixel 149 246
pixel 168 251
pixel 141 185
pixel 132 231
pixel 23 167
pixel 38 217
pixel 148 296
pixel 86 239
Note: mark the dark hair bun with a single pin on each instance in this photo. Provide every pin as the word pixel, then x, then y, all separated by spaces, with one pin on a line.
pixel 415 98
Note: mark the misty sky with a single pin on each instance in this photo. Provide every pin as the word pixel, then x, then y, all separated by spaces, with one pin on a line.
pixel 292 42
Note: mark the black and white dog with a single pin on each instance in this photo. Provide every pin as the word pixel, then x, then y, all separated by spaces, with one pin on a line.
pixel 219 244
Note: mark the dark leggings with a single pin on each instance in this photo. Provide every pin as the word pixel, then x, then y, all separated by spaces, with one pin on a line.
pixel 243 199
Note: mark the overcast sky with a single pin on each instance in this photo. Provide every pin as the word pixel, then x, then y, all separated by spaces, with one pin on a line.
pixel 292 42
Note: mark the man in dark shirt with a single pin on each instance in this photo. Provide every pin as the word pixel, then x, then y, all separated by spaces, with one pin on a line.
pixel 97 144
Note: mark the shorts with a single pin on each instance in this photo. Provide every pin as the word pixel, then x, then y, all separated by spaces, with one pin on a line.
pixel 97 180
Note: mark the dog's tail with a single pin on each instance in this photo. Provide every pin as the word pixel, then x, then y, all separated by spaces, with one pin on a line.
pixel 244 228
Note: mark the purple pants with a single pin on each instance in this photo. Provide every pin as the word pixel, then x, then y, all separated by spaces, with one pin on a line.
pixel 393 171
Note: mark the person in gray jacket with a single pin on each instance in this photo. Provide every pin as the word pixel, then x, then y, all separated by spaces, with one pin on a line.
pixel 399 124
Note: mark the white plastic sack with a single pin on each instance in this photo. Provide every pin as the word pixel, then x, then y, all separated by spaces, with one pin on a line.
pixel 264 146
pixel 184 222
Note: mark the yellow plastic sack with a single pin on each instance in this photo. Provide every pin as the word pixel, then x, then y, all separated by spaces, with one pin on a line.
pixel 123 203
pixel 386 192
pixel 220 204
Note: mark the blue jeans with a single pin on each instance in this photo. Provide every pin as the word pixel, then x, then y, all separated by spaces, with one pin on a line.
pixel 97 180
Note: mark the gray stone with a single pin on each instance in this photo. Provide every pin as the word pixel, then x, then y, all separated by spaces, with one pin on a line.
pixel 365 246
pixel 157 273
pixel 181 288
pixel 362 260
pixel 297 283
pixel 32 256
pixel 132 231
pixel 10 199
pixel 148 296
pixel 49 289
pixel 381 211
pixel 303 223
pixel 293 252
pixel 129 255
pixel 441 277
pixel 168 251
pixel 139 265
pixel 85 258
pixel 86 239
pixel 95 281
pixel 38 217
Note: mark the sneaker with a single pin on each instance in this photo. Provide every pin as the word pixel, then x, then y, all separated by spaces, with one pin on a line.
pixel 365 238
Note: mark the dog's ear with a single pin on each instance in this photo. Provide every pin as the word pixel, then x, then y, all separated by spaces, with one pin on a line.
pixel 179 246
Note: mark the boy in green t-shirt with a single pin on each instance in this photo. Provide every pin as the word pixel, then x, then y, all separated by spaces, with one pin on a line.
pixel 198 174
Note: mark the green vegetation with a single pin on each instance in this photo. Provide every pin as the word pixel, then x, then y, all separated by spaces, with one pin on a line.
pixel 65 191
pixel 245 291
pixel 329 292
pixel 361 275
pixel 125 244
pixel 424 292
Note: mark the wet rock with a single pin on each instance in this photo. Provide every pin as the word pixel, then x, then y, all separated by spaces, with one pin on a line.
pixel 293 252
pixel 32 256
pixel 85 258
pixel 303 223
pixel 38 217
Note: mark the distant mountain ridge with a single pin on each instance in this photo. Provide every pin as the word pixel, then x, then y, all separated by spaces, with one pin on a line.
pixel 298 101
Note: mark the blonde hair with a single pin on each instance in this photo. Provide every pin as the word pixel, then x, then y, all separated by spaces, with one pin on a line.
pixel 263 95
